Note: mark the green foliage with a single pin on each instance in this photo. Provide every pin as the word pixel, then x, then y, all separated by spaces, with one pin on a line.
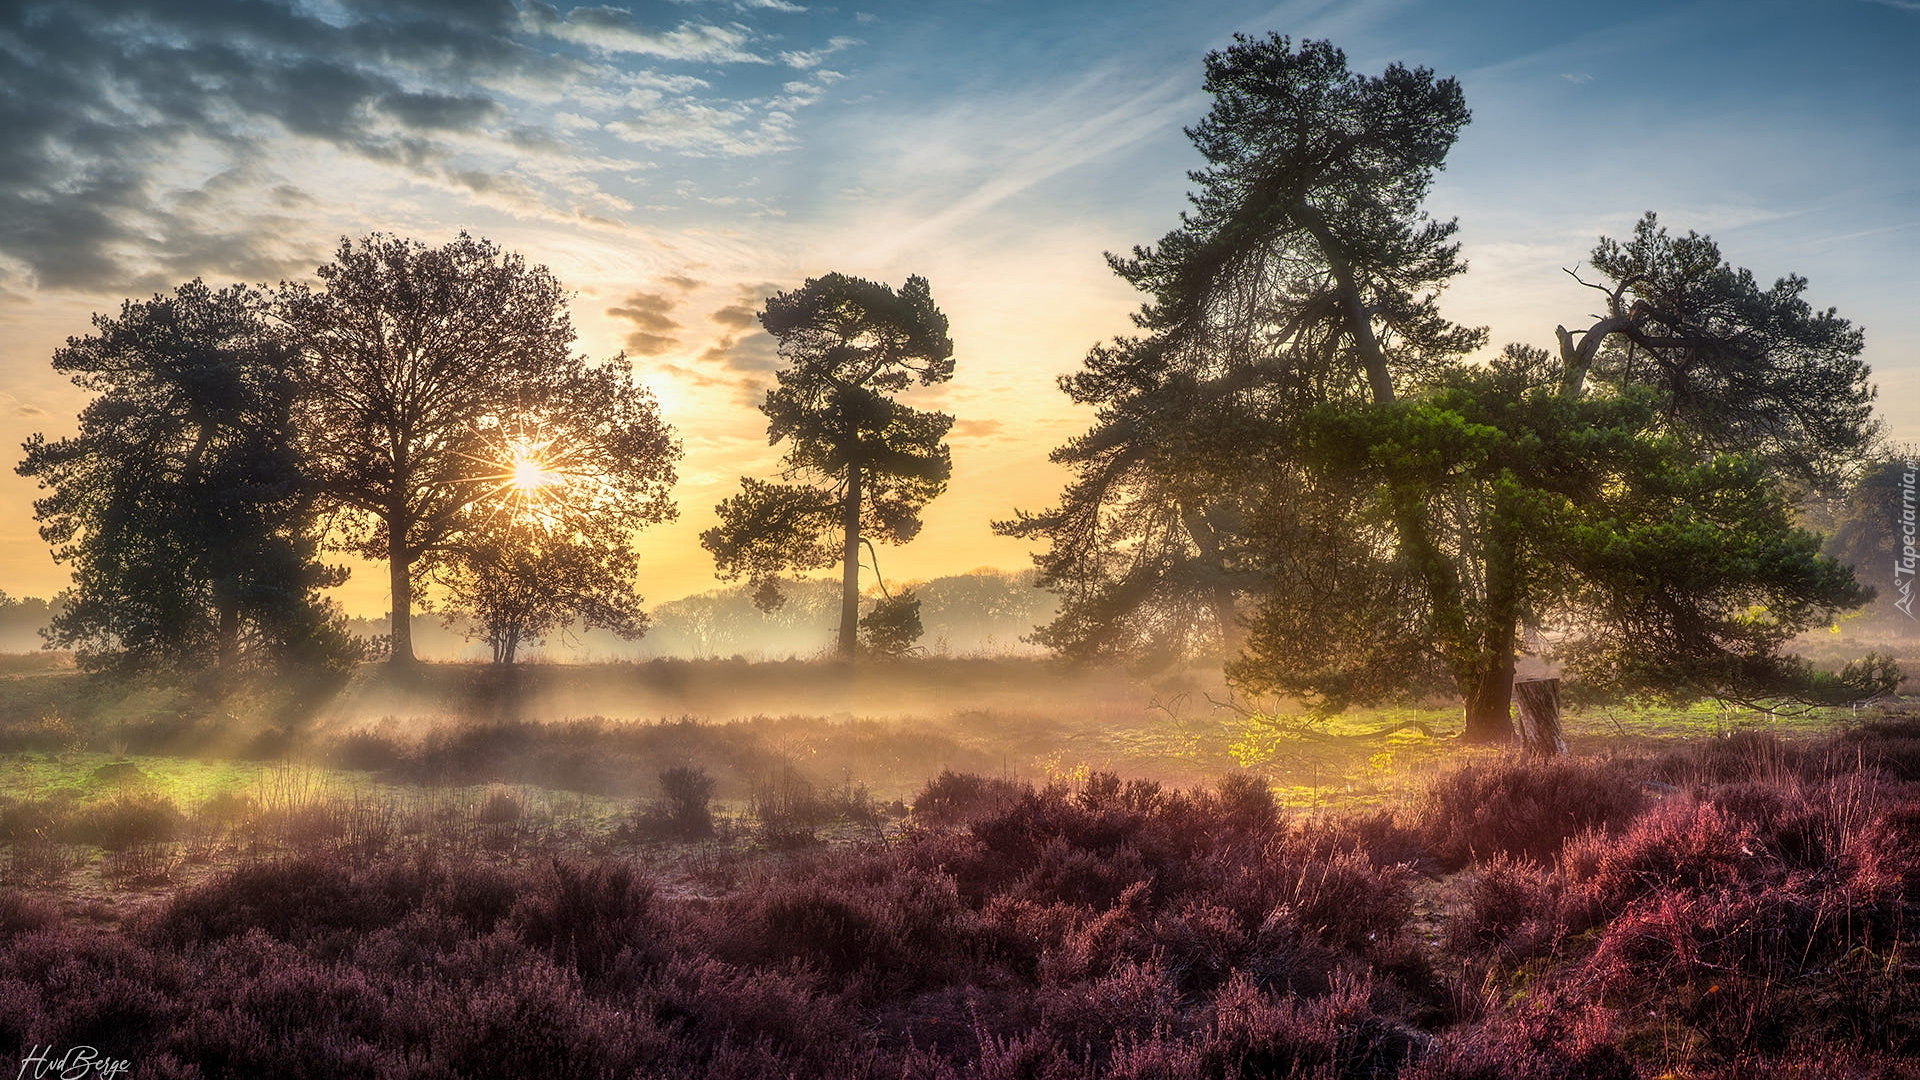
pixel 183 505
pixel 1307 213
pixel 1739 369
pixel 1297 450
pixel 858 463
pixel 892 625
pixel 517 588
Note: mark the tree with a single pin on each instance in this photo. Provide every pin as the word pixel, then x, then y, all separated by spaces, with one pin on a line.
pixel 1395 517
pixel 1306 275
pixel 1499 501
pixel 434 375
pixel 891 628
pixel 520 588
pixel 1872 524
pixel 859 464
pixel 181 504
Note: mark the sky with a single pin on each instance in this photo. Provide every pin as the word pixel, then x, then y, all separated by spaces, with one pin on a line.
pixel 675 163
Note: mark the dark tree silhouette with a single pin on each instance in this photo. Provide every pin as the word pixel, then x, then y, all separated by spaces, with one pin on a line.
pixel 518 587
pixel 859 464
pixel 431 372
pixel 892 627
pixel 181 504
pixel 1296 444
pixel 1304 276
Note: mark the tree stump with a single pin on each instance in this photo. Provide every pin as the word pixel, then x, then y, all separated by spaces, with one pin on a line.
pixel 1539 702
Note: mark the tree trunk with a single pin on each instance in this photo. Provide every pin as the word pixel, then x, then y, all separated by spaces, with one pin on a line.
pixel 400 578
pixel 1489 709
pixel 850 566
pixel 229 637
pixel 1206 539
pixel 1540 716
pixel 1359 319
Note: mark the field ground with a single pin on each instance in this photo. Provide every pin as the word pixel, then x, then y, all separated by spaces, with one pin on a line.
pixel 1414 903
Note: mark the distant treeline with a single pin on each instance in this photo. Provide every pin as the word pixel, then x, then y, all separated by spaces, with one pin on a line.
pixel 21 621
pixel 985 612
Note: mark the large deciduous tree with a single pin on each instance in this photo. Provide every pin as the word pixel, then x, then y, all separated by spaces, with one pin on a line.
pixel 428 370
pixel 181 503
pixel 859 463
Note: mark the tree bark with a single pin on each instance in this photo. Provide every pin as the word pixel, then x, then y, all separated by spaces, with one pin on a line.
pixel 1540 716
pixel 1360 320
pixel 1207 540
pixel 1489 709
pixel 229 637
pixel 400 580
pixel 850 566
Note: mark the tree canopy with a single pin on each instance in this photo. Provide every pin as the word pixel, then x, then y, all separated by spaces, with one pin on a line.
pixel 182 505
pixel 432 375
pixel 1305 275
pixel 859 464
pixel 1297 446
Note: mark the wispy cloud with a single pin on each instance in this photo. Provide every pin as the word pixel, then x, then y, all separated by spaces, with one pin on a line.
pixel 140 148
pixel 742 348
pixel 651 313
pixel 614 30
pixel 807 59
pixel 1056 137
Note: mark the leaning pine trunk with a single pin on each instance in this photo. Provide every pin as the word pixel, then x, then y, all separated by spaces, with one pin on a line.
pixel 1489 709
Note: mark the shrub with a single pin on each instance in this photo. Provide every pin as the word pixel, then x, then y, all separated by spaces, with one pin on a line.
pixel 127 819
pixel 501 807
pixel 963 798
pixel 788 810
pixel 1524 809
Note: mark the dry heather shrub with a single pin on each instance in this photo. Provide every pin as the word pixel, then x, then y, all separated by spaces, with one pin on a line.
pixel 1543 1039
pixel 20 913
pixel 1524 808
pixel 963 798
pixel 127 819
pixel 1511 911
pixel 683 811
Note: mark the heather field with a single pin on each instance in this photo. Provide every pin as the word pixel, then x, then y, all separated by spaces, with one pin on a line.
pixel 940 871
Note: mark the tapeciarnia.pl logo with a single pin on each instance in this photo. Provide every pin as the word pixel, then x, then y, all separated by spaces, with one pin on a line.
pixel 1909 560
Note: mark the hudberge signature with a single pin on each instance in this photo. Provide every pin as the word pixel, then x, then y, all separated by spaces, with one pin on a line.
pixel 74 1063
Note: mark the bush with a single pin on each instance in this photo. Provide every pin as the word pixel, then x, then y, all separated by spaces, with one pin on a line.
pixel 127 819
pixel 682 812
pixel 1524 808
pixel 1114 930
pixel 963 798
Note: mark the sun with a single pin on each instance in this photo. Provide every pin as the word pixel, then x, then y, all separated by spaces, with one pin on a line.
pixel 526 472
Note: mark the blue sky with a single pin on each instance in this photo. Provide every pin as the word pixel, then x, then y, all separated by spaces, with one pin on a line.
pixel 675 162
